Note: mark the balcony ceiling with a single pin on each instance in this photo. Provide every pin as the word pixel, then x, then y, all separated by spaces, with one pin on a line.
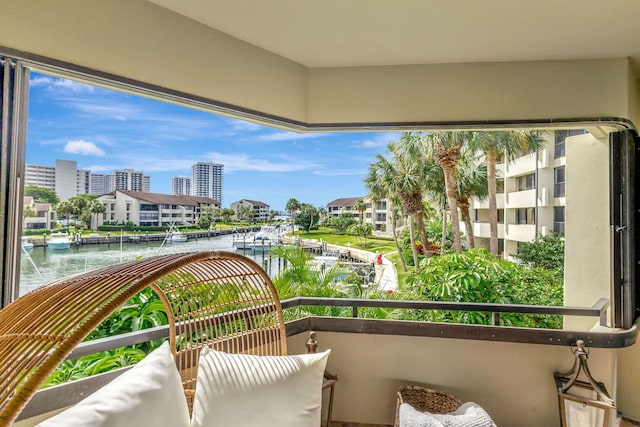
pixel 339 33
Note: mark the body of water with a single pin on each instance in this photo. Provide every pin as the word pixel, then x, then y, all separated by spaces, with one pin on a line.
pixel 43 266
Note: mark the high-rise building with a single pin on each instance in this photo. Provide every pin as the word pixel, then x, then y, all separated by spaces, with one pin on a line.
pixel 206 180
pixel 40 176
pixel 180 185
pixel 63 178
pixel 128 179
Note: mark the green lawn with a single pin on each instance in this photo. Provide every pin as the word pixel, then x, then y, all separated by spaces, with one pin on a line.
pixel 384 245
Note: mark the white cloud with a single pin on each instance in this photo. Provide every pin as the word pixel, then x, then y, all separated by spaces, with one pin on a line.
pixel 241 125
pixel 84 148
pixel 244 162
pixel 379 141
pixel 288 136
pixel 55 83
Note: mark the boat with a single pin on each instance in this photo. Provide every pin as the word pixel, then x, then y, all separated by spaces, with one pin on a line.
pixel 59 241
pixel 176 236
pixel 27 246
pixel 267 236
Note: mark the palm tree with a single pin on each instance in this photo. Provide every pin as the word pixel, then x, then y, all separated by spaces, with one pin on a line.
pixel 64 208
pixel 361 206
pixel 403 175
pixel 498 145
pixel 471 180
pixel 446 148
pixel 293 205
pixel 96 207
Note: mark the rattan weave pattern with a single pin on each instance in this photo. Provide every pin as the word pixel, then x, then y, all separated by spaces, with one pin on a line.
pixel 219 299
pixel 426 400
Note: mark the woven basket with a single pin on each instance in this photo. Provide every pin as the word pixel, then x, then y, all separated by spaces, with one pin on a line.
pixel 426 400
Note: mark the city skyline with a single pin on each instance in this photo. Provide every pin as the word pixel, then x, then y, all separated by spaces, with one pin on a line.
pixel 104 130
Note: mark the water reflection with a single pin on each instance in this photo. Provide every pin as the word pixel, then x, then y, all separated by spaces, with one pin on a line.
pixel 42 266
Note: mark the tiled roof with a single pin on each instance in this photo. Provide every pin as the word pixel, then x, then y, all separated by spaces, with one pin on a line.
pixel 346 201
pixel 256 202
pixel 168 199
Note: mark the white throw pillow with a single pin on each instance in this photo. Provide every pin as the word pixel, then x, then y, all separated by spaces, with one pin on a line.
pixel 149 394
pixel 469 414
pixel 242 390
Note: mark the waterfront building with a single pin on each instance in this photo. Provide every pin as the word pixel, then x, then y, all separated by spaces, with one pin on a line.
pixel 206 180
pixel 532 193
pixel 180 185
pixel 377 213
pixel 260 209
pixel 152 209
pixel 45 215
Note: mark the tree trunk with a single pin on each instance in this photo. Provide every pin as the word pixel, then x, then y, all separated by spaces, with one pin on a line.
pixel 395 239
pixel 414 249
pixel 493 207
pixel 423 233
pixel 463 204
pixel 450 185
pixel 443 242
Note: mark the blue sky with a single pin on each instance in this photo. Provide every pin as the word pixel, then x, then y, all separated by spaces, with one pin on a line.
pixel 105 130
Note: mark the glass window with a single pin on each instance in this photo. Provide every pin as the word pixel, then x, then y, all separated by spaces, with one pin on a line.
pixel 558 182
pixel 526 182
pixel 558 219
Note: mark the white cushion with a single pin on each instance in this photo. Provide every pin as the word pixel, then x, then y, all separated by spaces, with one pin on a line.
pixel 149 394
pixel 469 414
pixel 242 390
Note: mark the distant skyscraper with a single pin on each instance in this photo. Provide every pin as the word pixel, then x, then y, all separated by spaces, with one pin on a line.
pixel 206 180
pixel 180 185
pixel 128 179
pixel 98 184
pixel 66 179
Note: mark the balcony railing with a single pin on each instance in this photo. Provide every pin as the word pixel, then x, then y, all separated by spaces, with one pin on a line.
pixel 50 399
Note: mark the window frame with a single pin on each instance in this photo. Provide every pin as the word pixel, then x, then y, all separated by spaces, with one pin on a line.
pixel 14 73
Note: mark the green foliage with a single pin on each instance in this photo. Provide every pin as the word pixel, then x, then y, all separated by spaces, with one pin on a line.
pixel 342 223
pixel 144 310
pixel 362 230
pixel 41 195
pixel 544 251
pixel 307 217
pixel 477 276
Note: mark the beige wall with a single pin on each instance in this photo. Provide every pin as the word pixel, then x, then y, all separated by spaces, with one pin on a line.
pixel 513 382
pixel 142 41
pixel 629 381
pixel 587 250
pixel 139 40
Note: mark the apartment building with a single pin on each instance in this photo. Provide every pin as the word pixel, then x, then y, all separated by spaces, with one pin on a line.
pixel 45 215
pixel 377 213
pixel 533 193
pixel 152 209
pixel 260 209
pixel 180 185
pixel 130 180
pixel 64 178
pixel 206 180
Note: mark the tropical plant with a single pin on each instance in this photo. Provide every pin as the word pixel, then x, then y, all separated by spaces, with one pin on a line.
pixel 477 276
pixel 403 173
pixel 341 223
pixel 446 148
pixel 41 195
pixel 29 211
pixel 361 206
pixel 96 207
pixel 64 209
pixel 308 217
pixel 544 251
pixel 471 181
pixel 362 230
pixel 498 145
pixel 293 206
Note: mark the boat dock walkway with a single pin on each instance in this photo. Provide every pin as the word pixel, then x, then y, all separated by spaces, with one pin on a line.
pixel 386 276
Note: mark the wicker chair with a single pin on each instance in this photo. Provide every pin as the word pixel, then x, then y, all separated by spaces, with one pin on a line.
pixel 218 299
pixel 426 400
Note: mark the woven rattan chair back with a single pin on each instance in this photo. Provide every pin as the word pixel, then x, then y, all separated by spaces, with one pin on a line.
pixel 426 400
pixel 218 299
